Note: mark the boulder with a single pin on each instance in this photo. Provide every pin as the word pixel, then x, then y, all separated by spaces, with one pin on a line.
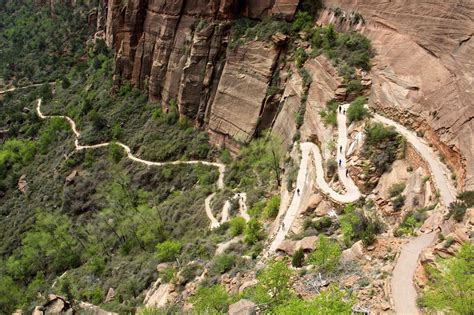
pixel 70 177
pixel 356 252
pixel 22 184
pixel 243 307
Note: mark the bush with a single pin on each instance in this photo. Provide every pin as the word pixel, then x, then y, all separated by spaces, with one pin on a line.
pixel 451 285
pixel 398 202
pixel 237 226
pixel 467 197
pixel 253 232
pixel 327 254
pixel 168 274
pixel 329 114
pixel 298 258
pixel 396 189
pixel 168 250
pixel 357 110
pixel 457 210
pixel 411 221
pixel 303 22
pixel 222 263
pixel 214 300
pixel 272 207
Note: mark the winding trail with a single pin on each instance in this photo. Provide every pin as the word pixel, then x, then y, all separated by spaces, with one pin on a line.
pixel 403 289
pixel 303 182
pixel 24 87
pixel 221 167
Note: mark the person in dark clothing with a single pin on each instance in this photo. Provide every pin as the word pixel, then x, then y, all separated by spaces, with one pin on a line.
pixel 340 109
pixel 340 149
pixel 347 172
pixel 340 162
pixel 344 112
pixel 298 191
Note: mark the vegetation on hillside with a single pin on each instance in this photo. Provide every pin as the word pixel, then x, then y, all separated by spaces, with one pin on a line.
pixel 27 29
pixel 451 287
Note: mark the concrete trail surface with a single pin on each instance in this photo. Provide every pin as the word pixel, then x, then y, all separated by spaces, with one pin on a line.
pixel 303 183
pixel 403 289
pixel 221 167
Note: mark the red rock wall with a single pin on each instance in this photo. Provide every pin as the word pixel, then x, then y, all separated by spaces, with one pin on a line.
pixel 423 72
pixel 177 50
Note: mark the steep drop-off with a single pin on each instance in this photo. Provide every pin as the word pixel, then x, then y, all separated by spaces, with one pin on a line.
pixel 423 69
pixel 422 74
pixel 177 51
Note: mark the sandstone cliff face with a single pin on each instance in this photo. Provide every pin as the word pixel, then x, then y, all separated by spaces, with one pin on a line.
pixel 177 50
pixel 423 72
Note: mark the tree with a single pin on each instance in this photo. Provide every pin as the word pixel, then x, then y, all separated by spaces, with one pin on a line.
pixel 272 207
pixel 298 258
pixel 211 300
pixel 253 232
pixel 10 294
pixel 451 286
pixel 357 110
pixel 168 250
pixel 330 301
pixel 274 284
pixel 327 254
pixel 237 226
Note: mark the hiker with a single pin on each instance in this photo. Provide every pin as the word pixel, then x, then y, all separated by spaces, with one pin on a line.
pixel 340 149
pixel 282 225
pixel 340 162
pixel 344 112
pixel 298 191
pixel 347 172
pixel 339 109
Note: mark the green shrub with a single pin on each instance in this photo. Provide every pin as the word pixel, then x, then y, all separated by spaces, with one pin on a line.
pixel 303 22
pixel 222 263
pixel 451 285
pixel 329 114
pixel 330 301
pixel 457 210
pixel 274 284
pixel 467 197
pixel 396 189
pixel 115 152
pixel 168 250
pixel 398 202
pixel 354 86
pixel 168 274
pixel 298 258
pixel 326 255
pixel 411 221
pixel 357 110
pixel 253 232
pixel 213 300
pixel 237 226
pixel 272 207
pixel 356 226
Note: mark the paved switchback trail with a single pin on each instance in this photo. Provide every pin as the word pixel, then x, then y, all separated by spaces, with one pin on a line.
pixel 303 183
pixel 403 289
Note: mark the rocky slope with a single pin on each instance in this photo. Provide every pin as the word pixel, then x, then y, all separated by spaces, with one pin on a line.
pixel 423 72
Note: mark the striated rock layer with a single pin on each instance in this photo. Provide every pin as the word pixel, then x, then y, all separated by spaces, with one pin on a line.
pixel 177 51
pixel 422 75
pixel 423 72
